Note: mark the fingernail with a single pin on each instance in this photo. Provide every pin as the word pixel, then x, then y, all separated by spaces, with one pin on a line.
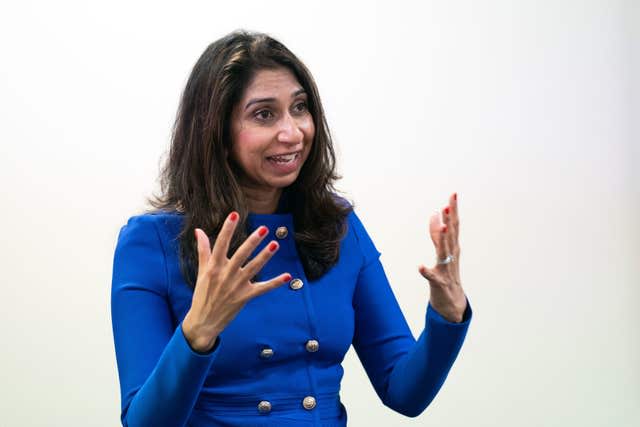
pixel 273 246
pixel 262 231
pixel 446 210
pixel 286 277
pixel 455 196
pixel 233 216
pixel 444 229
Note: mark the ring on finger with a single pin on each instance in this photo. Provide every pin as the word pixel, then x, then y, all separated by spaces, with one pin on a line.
pixel 447 260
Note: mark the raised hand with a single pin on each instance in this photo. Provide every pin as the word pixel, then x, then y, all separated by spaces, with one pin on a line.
pixel 447 296
pixel 224 285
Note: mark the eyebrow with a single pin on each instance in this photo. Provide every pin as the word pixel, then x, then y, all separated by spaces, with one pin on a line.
pixel 254 101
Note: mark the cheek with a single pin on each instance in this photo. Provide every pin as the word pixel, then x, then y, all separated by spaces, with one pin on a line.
pixel 248 142
pixel 307 127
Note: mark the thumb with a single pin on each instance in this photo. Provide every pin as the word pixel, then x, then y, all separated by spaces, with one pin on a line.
pixel 204 247
pixel 427 273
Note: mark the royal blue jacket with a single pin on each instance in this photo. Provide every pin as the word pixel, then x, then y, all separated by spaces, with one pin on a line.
pixel 278 363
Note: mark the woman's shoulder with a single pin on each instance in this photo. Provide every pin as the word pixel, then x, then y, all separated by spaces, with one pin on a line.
pixel 351 217
pixel 341 200
pixel 140 256
pixel 357 233
pixel 155 216
pixel 162 223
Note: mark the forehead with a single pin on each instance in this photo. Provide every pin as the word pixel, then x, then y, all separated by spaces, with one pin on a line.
pixel 271 82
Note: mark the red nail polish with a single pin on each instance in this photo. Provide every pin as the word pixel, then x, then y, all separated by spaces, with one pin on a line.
pixel 286 277
pixel 233 216
pixel 455 196
pixel 262 231
pixel 273 246
pixel 444 229
pixel 446 210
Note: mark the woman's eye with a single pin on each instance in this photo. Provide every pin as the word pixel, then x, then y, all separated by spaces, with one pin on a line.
pixel 300 106
pixel 263 115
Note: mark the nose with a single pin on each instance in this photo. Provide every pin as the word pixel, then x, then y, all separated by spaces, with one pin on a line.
pixel 289 131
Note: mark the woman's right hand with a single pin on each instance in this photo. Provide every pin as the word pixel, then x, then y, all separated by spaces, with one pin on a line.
pixel 224 285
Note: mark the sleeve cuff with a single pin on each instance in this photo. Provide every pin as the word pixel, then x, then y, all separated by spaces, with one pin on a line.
pixel 186 346
pixel 433 315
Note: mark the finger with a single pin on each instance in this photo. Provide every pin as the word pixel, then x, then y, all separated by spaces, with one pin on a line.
pixel 204 248
pixel 221 245
pixel 446 216
pixel 435 230
pixel 247 247
pixel 260 288
pixel 255 265
pixel 445 234
pixel 427 273
pixel 455 219
pixel 454 225
pixel 449 235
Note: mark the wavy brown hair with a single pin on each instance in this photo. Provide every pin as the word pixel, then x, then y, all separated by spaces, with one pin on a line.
pixel 199 181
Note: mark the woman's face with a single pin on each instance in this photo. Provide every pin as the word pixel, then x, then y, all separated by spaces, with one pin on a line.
pixel 272 130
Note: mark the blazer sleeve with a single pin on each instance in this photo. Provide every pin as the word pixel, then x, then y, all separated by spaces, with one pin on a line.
pixel 160 375
pixel 406 373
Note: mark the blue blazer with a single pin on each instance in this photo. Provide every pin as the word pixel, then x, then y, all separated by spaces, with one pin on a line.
pixel 278 363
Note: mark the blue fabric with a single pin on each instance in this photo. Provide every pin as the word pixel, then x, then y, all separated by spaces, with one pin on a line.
pixel 165 383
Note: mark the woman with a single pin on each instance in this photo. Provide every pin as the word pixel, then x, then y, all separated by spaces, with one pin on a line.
pixel 236 299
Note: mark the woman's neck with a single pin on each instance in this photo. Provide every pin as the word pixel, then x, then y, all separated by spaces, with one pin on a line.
pixel 262 202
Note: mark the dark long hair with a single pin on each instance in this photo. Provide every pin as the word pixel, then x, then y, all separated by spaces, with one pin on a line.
pixel 198 181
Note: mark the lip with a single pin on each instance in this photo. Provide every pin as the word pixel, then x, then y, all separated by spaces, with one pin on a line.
pixel 285 154
pixel 285 168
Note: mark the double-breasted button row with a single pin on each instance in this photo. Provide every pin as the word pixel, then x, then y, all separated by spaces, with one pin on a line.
pixel 308 403
pixel 311 346
pixel 281 233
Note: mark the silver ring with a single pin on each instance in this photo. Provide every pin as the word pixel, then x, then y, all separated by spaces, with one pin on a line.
pixel 447 260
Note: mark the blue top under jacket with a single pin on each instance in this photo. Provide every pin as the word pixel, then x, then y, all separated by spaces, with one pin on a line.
pixel 278 363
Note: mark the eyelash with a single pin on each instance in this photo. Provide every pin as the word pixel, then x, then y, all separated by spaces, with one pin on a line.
pixel 306 107
pixel 258 113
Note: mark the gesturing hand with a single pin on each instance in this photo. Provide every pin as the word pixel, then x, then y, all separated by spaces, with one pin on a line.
pixel 446 296
pixel 224 285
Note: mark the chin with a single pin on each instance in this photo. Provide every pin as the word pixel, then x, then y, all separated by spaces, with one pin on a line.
pixel 283 182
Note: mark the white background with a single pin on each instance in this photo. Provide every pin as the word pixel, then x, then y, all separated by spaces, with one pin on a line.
pixel 528 109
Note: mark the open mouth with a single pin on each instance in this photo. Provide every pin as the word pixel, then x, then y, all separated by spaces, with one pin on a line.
pixel 284 159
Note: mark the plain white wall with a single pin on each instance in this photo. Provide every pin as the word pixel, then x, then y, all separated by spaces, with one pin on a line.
pixel 528 109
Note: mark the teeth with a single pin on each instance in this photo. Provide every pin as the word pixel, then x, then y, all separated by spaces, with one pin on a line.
pixel 284 159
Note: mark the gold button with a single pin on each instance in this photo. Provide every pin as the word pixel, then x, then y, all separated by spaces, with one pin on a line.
pixel 266 353
pixel 281 232
pixel 264 406
pixel 309 403
pixel 296 284
pixel 312 346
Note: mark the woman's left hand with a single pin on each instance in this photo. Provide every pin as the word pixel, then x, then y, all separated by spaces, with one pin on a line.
pixel 447 296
